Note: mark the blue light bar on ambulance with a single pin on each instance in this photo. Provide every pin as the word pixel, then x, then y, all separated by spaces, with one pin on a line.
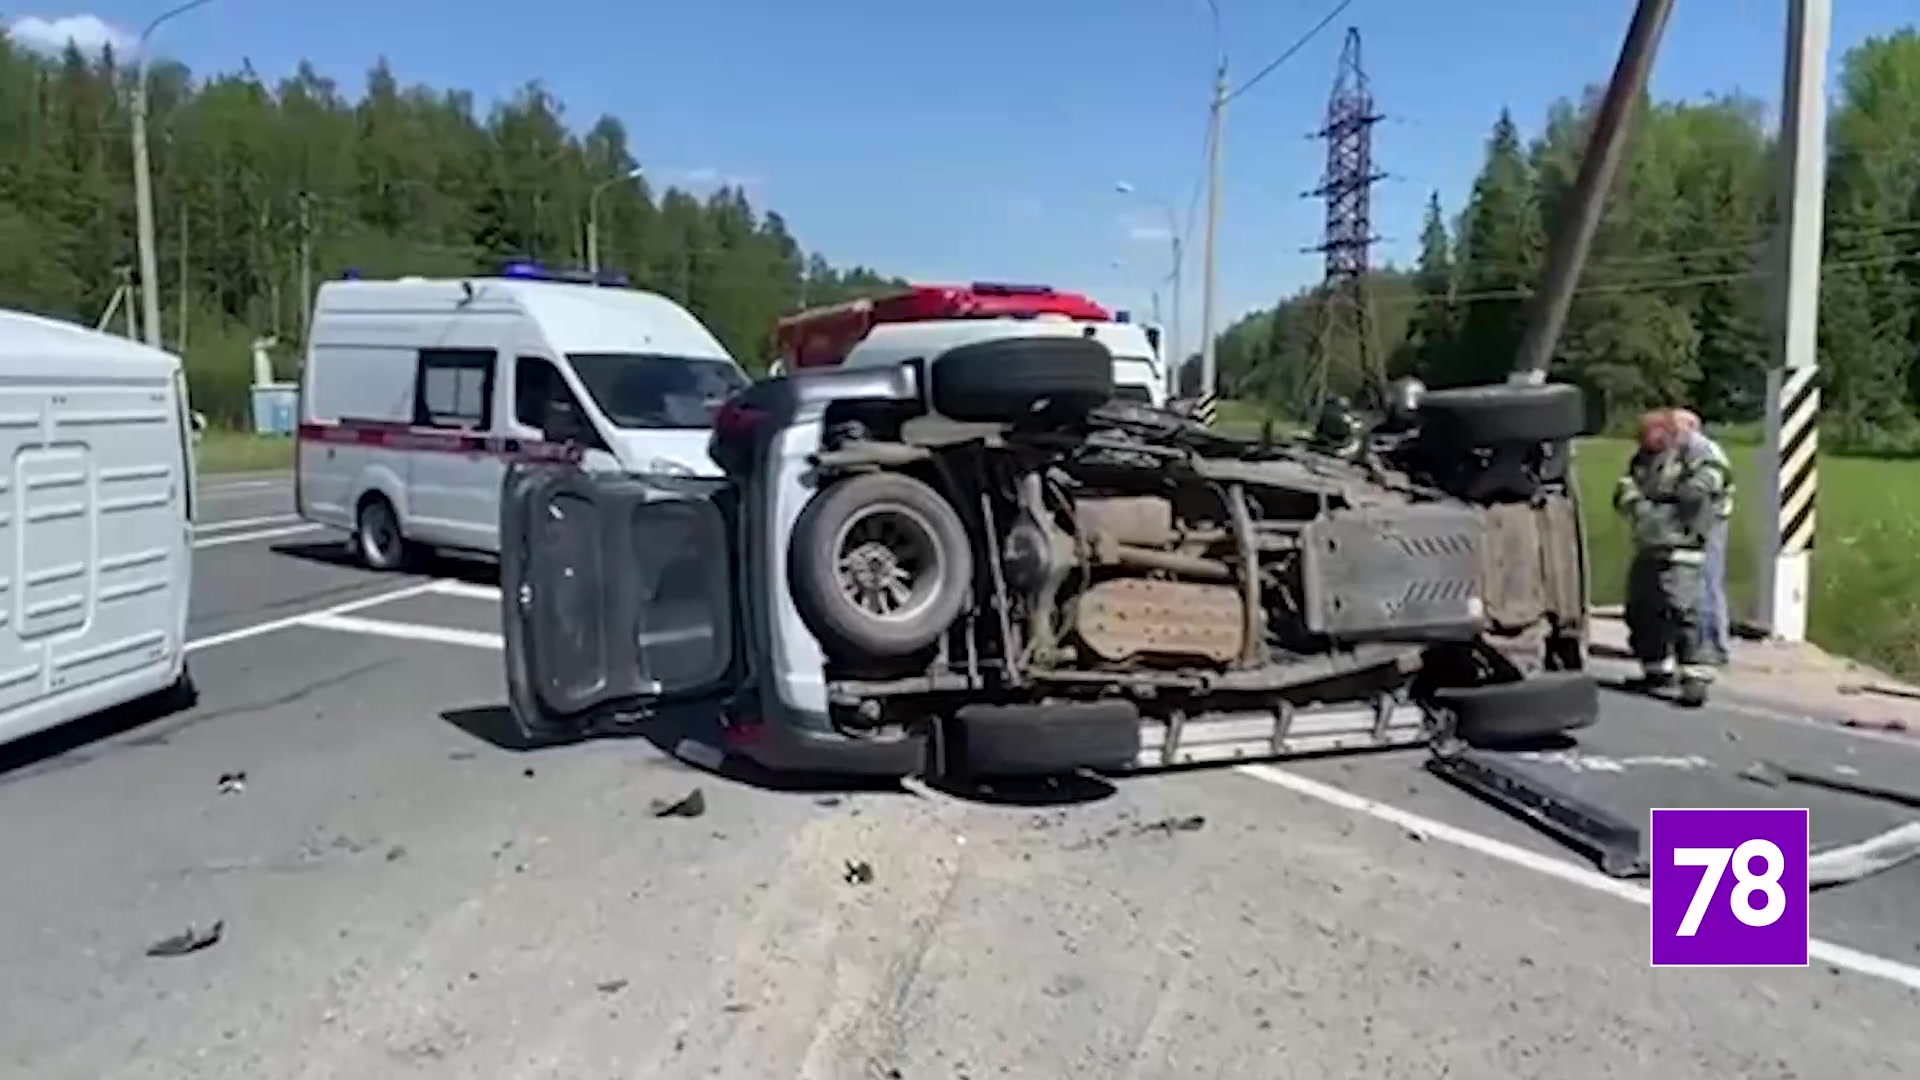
pixel 532 271
pixel 1123 316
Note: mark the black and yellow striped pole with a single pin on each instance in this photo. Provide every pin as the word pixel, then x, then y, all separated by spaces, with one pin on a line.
pixel 1793 386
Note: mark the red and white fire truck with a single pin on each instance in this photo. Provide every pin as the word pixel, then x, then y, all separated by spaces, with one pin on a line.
pixel 926 320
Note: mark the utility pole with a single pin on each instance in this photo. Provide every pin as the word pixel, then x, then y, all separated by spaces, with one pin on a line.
pixel 143 181
pixel 306 264
pixel 180 331
pixel 1793 392
pixel 1215 124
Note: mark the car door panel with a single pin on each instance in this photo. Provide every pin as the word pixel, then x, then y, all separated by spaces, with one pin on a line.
pixel 617 592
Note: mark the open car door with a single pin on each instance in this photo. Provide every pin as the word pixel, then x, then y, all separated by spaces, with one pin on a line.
pixel 616 593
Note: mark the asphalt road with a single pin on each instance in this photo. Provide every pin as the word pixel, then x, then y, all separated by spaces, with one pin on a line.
pixel 404 894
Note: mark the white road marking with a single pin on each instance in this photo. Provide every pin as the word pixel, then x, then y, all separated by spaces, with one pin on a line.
pixel 466 589
pixel 249 537
pixel 257 629
pixel 1839 956
pixel 445 635
pixel 229 524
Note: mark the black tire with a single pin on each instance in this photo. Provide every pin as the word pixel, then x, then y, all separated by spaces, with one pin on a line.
pixel 886 523
pixel 1502 414
pixel 1518 713
pixel 377 539
pixel 1043 740
pixel 1010 380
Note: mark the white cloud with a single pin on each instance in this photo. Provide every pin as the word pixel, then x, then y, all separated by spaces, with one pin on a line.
pixel 90 32
pixel 707 176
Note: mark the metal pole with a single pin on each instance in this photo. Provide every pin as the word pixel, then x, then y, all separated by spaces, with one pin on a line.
pixel 1547 312
pixel 1211 258
pixel 1793 395
pixel 143 183
pixel 180 331
pixel 306 265
pixel 593 216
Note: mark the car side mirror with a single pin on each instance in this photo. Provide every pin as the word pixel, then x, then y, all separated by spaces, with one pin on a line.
pixel 563 423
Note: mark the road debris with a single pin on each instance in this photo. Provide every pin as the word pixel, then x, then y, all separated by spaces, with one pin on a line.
pixel 859 872
pixel 699 754
pixel 396 853
pixel 1880 689
pixel 828 801
pixel 1171 825
pixel 1762 773
pixel 1838 866
pixel 611 986
pixel 1773 773
pixel 527 772
pixel 233 783
pixel 691 806
pixel 190 940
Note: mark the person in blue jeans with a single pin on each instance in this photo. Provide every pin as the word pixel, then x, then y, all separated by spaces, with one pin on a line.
pixel 1715 622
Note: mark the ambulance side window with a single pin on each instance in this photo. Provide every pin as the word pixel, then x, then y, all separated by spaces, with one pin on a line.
pixel 455 389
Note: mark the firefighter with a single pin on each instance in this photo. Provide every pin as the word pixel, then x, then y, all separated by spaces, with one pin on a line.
pixel 1668 497
pixel 1714 618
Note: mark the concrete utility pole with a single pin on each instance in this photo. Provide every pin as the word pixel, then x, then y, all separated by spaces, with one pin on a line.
pixel 1793 393
pixel 593 215
pixel 143 182
pixel 180 331
pixel 306 264
pixel 1215 126
pixel 1606 146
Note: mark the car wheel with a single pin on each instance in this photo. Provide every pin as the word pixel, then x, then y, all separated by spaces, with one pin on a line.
pixel 1010 380
pixel 377 538
pixel 1502 414
pixel 1044 739
pixel 1521 712
pixel 880 565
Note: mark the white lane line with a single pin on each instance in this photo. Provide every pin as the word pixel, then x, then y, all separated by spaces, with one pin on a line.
pixel 248 537
pixel 257 629
pixel 1839 956
pixel 229 524
pixel 466 589
pixel 444 635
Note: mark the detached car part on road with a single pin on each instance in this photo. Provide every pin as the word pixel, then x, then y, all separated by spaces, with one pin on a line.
pixel 981 562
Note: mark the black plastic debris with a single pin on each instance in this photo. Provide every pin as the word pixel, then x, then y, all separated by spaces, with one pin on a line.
pixel 190 940
pixel 1171 825
pixel 693 805
pixel 396 853
pixel 527 772
pixel 828 801
pixel 611 986
pixel 859 872
pixel 233 783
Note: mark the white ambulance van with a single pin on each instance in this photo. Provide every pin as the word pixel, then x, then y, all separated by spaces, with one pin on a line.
pixel 416 393
pixel 96 527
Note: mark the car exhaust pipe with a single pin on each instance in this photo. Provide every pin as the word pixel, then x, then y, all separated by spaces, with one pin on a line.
pixel 1606 145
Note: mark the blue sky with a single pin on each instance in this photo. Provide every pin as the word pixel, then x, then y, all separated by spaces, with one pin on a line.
pixel 984 140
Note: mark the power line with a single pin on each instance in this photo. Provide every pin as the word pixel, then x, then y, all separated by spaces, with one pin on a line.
pixel 1627 288
pixel 1301 43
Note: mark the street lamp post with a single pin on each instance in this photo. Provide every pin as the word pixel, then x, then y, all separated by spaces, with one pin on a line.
pixel 1173 278
pixel 143 183
pixel 593 214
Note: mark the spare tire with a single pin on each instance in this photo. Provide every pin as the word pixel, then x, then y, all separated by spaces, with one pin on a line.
pixel 1502 414
pixel 1009 380
pixel 1521 712
pixel 880 566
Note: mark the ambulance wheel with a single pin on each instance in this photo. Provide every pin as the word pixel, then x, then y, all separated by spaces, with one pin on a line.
pixel 377 539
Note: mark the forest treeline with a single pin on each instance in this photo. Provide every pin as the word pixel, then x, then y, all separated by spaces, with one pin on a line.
pixel 1673 305
pixel 260 188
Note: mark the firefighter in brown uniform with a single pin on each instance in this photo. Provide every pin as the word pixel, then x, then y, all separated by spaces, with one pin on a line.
pixel 1669 498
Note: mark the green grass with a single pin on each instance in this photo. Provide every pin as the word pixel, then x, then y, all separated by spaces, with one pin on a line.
pixel 240 451
pixel 1866 562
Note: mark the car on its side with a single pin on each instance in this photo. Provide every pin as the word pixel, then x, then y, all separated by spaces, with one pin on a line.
pixel 1050 578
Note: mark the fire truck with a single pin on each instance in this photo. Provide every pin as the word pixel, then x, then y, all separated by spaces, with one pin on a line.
pixel 927 320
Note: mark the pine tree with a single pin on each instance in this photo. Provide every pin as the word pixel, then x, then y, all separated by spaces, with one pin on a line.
pixel 1499 252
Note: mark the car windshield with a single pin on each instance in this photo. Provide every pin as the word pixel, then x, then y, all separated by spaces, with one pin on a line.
pixel 642 390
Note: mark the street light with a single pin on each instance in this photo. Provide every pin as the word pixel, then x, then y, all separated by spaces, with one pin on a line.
pixel 593 214
pixel 143 183
pixel 1173 238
